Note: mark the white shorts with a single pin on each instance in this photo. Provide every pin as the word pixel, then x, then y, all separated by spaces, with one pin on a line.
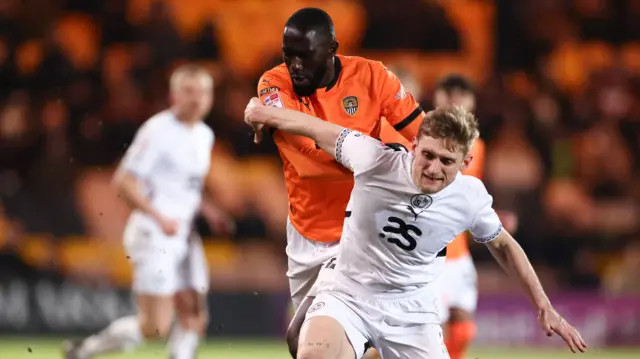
pixel 459 285
pixel 162 265
pixel 306 259
pixel 397 326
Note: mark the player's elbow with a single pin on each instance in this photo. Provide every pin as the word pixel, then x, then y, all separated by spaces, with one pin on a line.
pixel 123 183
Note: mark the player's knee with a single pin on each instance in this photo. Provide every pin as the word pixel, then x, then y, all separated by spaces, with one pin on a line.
pixel 195 322
pixel 154 328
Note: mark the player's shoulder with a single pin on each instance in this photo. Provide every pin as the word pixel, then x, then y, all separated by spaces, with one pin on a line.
pixel 157 122
pixel 471 187
pixel 205 131
pixel 275 78
pixel 361 63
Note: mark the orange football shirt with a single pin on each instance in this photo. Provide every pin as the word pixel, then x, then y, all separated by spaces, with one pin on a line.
pixel 362 92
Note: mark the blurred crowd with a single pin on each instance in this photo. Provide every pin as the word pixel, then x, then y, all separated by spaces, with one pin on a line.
pixel 557 84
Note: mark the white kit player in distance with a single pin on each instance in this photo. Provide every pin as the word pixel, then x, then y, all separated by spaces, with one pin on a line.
pixel 406 208
pixel 162 177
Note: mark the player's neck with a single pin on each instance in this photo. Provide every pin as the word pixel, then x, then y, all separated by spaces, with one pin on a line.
pixel 329 75
pixel 184 119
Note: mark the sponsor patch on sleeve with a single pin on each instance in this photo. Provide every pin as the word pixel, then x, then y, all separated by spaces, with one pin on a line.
pixel 268 90
pixel 273 100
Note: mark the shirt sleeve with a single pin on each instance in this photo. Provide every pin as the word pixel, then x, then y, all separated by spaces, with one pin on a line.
pixel 274 91
pixel 397 105
pixel 142 154
pixel 358 152
pixel 486 225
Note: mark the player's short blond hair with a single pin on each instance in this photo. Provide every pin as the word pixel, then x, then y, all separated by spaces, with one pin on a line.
pixel 454 123
pixel 188 70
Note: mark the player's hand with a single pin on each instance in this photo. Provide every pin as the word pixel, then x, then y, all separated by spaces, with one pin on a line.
pixel 552 323
pixel 169 226
pixel 248 118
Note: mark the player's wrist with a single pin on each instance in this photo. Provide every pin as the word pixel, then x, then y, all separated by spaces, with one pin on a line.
pixel 543 306
pixel 155 215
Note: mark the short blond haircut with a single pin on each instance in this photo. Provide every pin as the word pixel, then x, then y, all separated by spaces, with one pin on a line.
pixel 451 123
pixel 188 70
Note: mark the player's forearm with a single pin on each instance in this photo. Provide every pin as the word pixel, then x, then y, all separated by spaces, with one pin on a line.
pixel 514 261
pixel 129 190
pixel 324 133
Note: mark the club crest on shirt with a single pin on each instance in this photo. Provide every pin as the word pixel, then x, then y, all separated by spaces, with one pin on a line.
pixel 350 104
pixel 421 201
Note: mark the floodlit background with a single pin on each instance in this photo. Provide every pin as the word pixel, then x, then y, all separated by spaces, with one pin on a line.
pixel 558 85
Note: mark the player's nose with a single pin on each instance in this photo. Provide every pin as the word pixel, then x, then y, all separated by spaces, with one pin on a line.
pixel 296 64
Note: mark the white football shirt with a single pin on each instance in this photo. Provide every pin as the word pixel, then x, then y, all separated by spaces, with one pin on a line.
pixel 395 237
pixel 171 160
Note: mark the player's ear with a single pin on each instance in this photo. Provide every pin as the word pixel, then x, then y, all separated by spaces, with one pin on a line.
pixel 466 162
pixel 414 144
pixel 333 48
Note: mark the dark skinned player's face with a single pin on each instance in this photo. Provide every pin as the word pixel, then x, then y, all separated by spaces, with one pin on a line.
pixel 307 56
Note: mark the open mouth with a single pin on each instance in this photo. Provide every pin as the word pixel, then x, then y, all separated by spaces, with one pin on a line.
pixel 299 80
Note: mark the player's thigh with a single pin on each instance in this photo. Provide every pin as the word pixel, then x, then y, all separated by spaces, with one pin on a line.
pixel 155 259
pixel 332 329
pixel 305 260
pixel 417 342
pixel 193 269
pixel 154 284
pixel 155 313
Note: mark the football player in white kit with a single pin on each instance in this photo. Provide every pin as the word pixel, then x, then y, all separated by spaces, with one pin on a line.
pixel 406 208
pixel 162 177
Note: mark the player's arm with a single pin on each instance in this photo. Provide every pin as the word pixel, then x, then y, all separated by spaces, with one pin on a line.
pixel 355 151
pixel 397 105
pixel 134 167
pixel 307 159
pixel 294 122
pixel 487 228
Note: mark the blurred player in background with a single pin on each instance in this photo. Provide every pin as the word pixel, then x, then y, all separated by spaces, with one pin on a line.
pixel 349 91
pixel 406 209
pixel 162 177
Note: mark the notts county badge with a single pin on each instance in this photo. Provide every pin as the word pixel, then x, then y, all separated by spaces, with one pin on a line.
pixel 350 104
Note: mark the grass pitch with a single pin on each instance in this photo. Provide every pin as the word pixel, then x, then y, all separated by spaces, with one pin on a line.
pixel 38 348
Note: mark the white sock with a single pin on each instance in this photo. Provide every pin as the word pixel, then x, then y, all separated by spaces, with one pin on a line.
pixel 121 335
pixel 183 343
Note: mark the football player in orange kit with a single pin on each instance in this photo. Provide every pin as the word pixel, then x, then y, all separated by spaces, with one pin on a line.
pixel 460 293
pixel 350 91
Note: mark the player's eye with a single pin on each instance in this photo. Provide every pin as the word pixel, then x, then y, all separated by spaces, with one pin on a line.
pixel 428 155
pixel 447 161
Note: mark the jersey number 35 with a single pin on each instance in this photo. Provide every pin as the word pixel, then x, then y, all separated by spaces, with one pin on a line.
pixel 397 227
